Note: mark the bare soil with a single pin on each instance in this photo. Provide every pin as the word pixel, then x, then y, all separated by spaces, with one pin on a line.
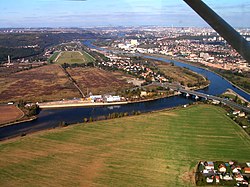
pixel 9 113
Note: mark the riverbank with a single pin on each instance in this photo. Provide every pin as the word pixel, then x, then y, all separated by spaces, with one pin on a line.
pixel 68 104
pixel 10 113
pixel 50 118
pixel 198 66
pixel 19 121
pixel 52 105
pixel 90 45
pixel 231 94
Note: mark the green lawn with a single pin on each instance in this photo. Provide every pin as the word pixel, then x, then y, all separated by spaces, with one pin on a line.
pixel 53 57
pixel 72 57
pixel 157 149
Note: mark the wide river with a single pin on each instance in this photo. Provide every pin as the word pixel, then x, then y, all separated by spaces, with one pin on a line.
pixel 49 119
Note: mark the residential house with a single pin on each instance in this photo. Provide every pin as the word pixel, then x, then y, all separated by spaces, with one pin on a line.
pixel 247 170
pixel 239 177
pixel 227 177
pixel 242 114
pixel 236 112
pixel 217 178
pixel 209 165
pixel 210 180
pixel 248 164
pixel 235 169
pixel 222 168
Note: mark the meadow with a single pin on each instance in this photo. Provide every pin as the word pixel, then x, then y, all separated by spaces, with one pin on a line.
pixel 182 75
pixel 74 57
pixel 44 83
pixel 154 149
pixel 99 81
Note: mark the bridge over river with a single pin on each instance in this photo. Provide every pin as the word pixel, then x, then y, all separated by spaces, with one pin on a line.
pixel 198 95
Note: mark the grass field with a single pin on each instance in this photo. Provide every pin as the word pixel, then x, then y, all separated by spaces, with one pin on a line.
pixel 9 113
pixel 183 75
pixel 72 57
pixel 99 81
pixel 53 57
pixel 38 84
pixel 157 149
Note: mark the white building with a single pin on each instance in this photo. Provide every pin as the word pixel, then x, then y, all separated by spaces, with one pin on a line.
pixel 134 42
pixel 95 97
pixel 110 98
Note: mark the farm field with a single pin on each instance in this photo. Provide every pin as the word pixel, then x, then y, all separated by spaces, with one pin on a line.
pixel 156 149
pixel 38 84
pixel 72 57
pixel 9 113
pixel 99 81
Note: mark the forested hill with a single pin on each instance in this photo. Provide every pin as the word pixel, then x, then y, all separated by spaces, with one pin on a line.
pixel 19 45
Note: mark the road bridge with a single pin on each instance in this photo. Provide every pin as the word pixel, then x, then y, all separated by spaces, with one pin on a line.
pixel 197 95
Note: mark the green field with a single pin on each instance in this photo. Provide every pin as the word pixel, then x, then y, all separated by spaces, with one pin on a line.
pixel 157 149
pixel 53 57
pixel 74 57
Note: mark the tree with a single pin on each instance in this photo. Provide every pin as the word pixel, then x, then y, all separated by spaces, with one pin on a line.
pixel 236 98
pixel 21 103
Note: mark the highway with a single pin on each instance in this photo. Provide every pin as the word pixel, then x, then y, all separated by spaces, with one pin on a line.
pixel 180 89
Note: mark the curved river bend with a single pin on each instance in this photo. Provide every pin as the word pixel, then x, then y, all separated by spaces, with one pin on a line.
pixel 48 119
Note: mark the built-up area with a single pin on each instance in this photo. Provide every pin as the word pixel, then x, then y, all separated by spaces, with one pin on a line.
pixel 223 173
pixel 200 45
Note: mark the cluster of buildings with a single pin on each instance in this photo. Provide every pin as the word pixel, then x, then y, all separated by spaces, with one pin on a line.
pixel 211 53
pixel 200 45
pixel 220 173
pixel 105 98
pixel 140 69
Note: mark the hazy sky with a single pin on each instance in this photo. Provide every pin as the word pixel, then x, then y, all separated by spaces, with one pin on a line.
pixel 88 13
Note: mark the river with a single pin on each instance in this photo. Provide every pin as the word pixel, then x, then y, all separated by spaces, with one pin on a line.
pixel 49 119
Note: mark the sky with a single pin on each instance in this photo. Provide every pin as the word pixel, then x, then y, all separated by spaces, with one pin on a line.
pixel 93 13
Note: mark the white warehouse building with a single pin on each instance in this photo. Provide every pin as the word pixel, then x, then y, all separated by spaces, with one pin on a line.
pixel 110 98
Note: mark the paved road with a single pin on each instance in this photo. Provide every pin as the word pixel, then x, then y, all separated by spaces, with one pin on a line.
pixel 202 95
pixel 222 100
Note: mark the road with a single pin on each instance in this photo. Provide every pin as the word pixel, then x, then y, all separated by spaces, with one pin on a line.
pixel 205 96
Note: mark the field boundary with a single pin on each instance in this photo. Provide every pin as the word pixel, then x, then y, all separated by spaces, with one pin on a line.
pixel 88 55
pixel 58 56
